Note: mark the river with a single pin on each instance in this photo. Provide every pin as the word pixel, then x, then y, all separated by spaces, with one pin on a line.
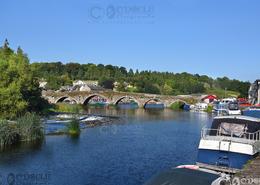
pixel 143 144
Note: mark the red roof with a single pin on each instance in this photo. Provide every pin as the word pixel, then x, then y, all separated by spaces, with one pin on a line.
pixel 211 97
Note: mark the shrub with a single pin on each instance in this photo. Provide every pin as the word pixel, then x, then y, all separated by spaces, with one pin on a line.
pixel 74 127
pixel 30 127
pixel 209 109
pixel 177 106
pixel 8 133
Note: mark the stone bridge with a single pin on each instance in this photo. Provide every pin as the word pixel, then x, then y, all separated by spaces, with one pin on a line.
pixel 111 97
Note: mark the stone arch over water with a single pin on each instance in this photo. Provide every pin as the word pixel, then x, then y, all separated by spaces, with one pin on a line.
pixel 66 99
pixel 155 100
pixel 182 103
pixel 102 99
pixel 127 97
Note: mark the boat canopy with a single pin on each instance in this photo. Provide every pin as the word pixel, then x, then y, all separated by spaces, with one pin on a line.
pixel 235 124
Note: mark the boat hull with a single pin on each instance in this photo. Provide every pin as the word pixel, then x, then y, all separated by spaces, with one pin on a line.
pixel 252 113
pixel 223 158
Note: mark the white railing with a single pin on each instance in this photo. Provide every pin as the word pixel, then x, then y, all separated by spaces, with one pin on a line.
pixel 255 136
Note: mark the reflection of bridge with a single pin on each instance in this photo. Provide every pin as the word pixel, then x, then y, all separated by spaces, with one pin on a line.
pixel 111 97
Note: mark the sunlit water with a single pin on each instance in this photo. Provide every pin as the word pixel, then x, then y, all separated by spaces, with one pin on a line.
pixel 127 153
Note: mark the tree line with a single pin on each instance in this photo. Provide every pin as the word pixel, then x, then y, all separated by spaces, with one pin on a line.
pixel 58 74
pixel 20 92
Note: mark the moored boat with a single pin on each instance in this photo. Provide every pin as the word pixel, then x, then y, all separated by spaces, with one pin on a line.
pixel 229 143
pixel 233 108
pixel 252 111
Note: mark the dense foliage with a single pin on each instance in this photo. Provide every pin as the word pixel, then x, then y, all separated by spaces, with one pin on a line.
pixel 58 74
pixel 19 89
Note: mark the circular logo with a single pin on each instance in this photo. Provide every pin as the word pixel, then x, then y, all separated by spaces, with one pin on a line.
pixel 1 179
pixel 96 12
pixel 111 11
pixel 236 181
pixel 11 179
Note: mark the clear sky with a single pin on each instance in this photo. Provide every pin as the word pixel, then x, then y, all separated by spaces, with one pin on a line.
pixel 212 37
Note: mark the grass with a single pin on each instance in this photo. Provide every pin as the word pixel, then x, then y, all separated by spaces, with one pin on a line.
pixel 30 127
pixel 27 128
pixel 74 127
pixel 220 93
pixel 8 133
pixel 67 108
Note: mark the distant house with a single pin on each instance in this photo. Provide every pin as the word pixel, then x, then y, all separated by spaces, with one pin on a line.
pixel 209 98
pixel 43 84
pixel 79 82
pixel 85 82
pixel 84 88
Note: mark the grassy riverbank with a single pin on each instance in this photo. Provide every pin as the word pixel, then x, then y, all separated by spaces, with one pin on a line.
pixel 25 129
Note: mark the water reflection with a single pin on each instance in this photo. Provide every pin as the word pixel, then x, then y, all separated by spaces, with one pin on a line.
pixel 130 152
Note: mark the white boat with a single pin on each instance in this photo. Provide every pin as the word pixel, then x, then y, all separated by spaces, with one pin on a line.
pixel 233 108
pixel 201 107
pixel 229 143
pixel 227 107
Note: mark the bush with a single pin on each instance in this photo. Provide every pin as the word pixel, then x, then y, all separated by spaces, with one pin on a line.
pixel 30 127
pixel 177 105
pixel 209 109
pixel 8 133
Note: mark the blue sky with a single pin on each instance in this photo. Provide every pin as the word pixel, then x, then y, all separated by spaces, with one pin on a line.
pixel 212 37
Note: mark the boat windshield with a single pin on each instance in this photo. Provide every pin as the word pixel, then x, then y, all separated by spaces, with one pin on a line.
pixel 233 106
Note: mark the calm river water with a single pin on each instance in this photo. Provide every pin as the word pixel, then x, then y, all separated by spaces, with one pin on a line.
pixel 126 153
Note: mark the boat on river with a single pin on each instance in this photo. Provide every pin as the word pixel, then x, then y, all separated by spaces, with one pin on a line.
pixel 226 107
pixel 229 143
pixel 252 111
pixel 233 108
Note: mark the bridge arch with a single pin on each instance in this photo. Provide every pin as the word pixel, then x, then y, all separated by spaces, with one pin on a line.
pixel 179 100
pixel 66 99
pixel 124 97
pixel 86 100
pixel 156 100
pixel 182 103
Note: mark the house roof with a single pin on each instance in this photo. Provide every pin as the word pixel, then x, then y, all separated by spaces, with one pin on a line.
pixel 209 97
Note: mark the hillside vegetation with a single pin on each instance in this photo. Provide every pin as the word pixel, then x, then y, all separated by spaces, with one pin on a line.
pixel 58 74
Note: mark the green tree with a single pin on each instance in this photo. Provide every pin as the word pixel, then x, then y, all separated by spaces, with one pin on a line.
pixel 19 90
